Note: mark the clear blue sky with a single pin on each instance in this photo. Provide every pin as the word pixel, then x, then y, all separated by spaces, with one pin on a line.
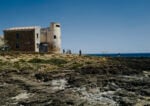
pixel 95 26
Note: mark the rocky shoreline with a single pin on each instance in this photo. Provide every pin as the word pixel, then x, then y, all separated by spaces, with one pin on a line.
pixel 115 82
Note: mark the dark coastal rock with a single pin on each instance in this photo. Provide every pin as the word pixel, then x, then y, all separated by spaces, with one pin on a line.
pixel 92 70
pixel 114 70
pixel 145 92
pixel 43 77
pixel 77 81
pixel 127 101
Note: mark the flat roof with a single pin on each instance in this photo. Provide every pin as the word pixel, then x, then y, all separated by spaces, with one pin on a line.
pixel 22 28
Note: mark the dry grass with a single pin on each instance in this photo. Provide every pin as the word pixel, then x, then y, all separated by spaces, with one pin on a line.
pixel 46 62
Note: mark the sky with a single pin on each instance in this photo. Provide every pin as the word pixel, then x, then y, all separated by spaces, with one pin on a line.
pixel 94 26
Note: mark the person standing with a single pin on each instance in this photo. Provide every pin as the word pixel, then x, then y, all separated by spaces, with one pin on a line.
pixel 80 52
pixel 63 51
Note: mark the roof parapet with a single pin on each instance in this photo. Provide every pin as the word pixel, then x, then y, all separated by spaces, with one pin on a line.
pixel 22 28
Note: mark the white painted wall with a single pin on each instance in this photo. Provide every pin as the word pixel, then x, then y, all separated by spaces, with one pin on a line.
pixel 37 40
pixel 55 31
pixel 2 40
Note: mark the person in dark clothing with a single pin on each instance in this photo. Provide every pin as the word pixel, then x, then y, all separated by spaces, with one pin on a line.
pixel 63 51
pixel 80 52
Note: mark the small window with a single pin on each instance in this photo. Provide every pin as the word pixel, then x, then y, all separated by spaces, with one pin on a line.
pixel 17 36
pixel 37 35
pixel 54 36
pixel 57 25
pixel 17 45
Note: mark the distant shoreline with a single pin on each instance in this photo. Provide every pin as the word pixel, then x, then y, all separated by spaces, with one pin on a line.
pixel 139 55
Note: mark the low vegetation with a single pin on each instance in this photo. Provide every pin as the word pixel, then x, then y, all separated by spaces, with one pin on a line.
pixel 50 62
pixel 53 61
pixel 45 62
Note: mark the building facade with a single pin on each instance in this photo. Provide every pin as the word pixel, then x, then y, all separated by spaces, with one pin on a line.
pixel 34 39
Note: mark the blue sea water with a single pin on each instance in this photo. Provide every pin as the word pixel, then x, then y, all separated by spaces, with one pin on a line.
pixel 122 55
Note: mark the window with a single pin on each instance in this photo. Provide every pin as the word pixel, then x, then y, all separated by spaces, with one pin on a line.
pixel 37 35
pixel 17 45
pixel 54 36
pixel 57 25
pixel 17 36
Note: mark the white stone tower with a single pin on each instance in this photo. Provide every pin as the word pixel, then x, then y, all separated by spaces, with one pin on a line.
pixel 55 37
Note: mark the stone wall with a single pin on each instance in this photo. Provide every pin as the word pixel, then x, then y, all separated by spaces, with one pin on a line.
pixel 20 40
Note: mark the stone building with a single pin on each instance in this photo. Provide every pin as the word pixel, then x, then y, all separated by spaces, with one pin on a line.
pixel 34 39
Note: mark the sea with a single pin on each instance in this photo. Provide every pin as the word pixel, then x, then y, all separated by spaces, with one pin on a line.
pixel 139 55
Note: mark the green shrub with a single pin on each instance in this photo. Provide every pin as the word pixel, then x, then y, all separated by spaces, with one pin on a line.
pixel 22 66
pixel 56 61
pixel 17 65
pixel 88 62
pixel 76 65
pixel 21 60
pixel 36 60
pixel 53 61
